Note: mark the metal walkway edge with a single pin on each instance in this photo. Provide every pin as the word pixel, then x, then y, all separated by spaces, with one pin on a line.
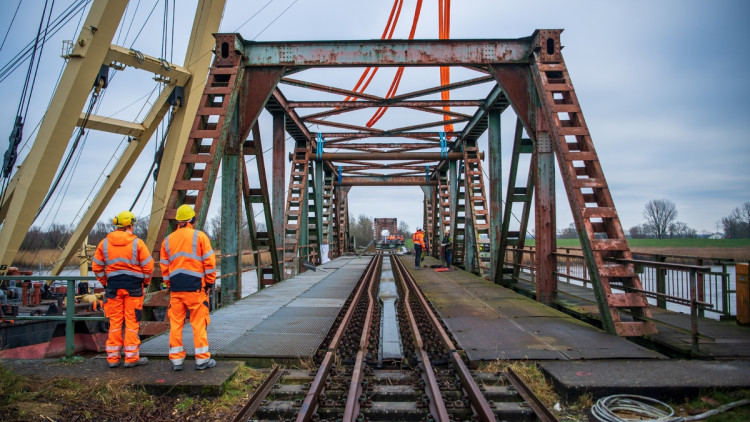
pixel 287 320
pixel 491 322
pixel 718 339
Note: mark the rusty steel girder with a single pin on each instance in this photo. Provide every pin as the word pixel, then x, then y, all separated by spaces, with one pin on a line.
pixel 390 156
pixel 386 181
pixel 363 53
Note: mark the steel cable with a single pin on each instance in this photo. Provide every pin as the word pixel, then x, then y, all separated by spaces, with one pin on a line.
pixel 57 24
pixel 644 408
pixel 641 408
pixel 10 26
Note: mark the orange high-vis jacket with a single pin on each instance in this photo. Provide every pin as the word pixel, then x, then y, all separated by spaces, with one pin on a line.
pixel 418 239
pixel 188 263
pixel 122 261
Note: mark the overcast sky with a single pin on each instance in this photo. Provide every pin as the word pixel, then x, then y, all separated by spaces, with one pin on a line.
pixel 663 86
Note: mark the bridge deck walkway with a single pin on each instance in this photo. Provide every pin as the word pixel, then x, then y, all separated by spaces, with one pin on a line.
pixel 717 339
pixel 491 322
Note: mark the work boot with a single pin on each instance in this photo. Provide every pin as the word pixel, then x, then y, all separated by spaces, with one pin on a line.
pixel 177 367
pixel 205 365
pixel 113 365
pixel 141 361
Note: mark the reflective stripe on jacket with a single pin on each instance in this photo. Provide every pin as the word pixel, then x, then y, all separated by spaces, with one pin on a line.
pixel 188 262
pixel 122 261
pixel 418 239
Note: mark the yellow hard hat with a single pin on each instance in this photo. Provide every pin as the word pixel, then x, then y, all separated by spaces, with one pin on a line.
pixel 124 219
pixel 185 213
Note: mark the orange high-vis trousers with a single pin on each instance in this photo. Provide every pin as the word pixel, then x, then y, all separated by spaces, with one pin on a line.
pixel 179 304
pixel 127 309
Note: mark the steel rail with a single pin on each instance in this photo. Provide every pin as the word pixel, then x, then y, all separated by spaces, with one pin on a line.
pixel 351 411
pixel 437 404
pixel 480 404
pixel 310 403
pixel 258 396
pixel 536 405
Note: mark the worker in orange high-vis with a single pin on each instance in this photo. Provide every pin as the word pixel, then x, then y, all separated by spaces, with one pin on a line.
pixel 123 264
pixel 419 246
pixel 188 267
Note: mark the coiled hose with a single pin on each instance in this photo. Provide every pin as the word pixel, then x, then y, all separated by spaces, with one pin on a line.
pixel 641 408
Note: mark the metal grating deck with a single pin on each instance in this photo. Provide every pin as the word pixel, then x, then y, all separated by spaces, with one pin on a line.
pixel 491 322
pixel 287 320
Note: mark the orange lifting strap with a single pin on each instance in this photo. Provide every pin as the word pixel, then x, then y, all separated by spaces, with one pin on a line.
pixel 444 24
pixel 444 17
pixel 387 35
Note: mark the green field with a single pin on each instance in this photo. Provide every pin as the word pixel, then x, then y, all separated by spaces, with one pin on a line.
pixel 650 243
pixel 664 243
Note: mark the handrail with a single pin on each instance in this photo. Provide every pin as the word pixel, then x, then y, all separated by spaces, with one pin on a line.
pixel 692 280
pixel 666 265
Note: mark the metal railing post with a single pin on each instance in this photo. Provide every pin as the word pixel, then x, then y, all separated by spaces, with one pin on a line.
pixel 70 310
pixel 661 283
pixel 701 288
pixel 725 309
pixel 694 309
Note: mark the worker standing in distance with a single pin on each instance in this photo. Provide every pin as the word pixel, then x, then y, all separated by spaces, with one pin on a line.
pixel 447 248
pixel 418 240
pixel 188 267
pixel 123 264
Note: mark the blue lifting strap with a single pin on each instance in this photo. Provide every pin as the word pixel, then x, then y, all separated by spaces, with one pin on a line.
pixel 443 145
pixel 319 141
pixel 340 175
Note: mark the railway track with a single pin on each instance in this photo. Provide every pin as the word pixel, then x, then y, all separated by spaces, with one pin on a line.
pixel 389 358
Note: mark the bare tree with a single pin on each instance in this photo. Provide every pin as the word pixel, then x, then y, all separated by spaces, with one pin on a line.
pixel 737 224
pixel 140 228
pixel 659 214
pixel 361 229
pixel 680 229
pixel 569 232
pixel 100 231
pixel 403 228
pixel 214 230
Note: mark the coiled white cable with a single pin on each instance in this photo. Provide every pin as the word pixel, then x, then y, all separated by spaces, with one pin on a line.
pixel 645 407
pixel 640 406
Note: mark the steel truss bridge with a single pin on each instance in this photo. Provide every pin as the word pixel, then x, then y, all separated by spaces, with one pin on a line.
pixel 215 126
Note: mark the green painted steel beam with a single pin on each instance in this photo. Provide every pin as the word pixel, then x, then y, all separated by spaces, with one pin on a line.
pixel 495 192
pixel 318 183
pixel 230 228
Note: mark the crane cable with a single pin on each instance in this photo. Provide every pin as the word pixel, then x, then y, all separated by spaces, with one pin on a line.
pixel 57 24
pixel 81 131
pixel 165 49
pixel 156 162
pixel 11 154
pixel 10 26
